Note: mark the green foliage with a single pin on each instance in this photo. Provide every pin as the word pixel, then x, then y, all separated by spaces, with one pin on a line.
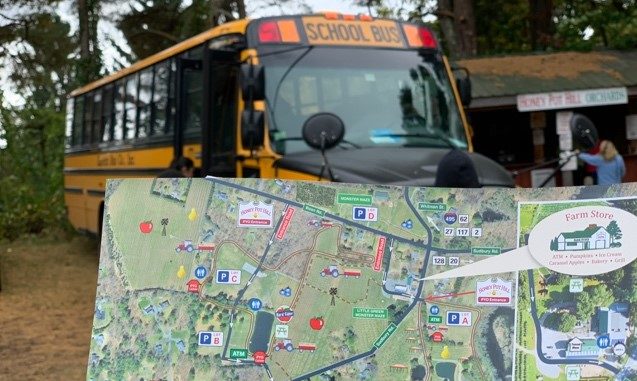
pixel 563 322
pixel 32 197
pixel 591 298
pixel 41 68
pixel 614 231
pixel 507 26
pixel 150 27
pixel 613 24
pixel 585 306
pixel 502 26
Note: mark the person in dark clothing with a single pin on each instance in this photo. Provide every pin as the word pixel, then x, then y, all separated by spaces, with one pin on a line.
pixel 456 170
pixel 179 167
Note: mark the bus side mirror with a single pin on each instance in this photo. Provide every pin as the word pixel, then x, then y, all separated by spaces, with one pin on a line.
pixel 252 125
pixel 252 82
pixel 463 84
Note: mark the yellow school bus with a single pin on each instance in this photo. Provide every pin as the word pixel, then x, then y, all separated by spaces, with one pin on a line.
pixel 311 97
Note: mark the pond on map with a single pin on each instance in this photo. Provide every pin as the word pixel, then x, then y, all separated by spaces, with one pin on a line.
pixel 262 330
pixel 446 370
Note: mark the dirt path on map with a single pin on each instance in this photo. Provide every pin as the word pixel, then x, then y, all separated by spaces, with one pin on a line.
pixel 46 307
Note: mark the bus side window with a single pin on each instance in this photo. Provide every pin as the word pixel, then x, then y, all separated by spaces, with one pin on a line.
pixel 161 102
pixel 118 109
pixel 88 118
pixel 193 89
pixel 144 103
pixel 130 111
pixel 171 118
pixel 96 114
pixel 107 113
pixel 68 141
pixel 78 118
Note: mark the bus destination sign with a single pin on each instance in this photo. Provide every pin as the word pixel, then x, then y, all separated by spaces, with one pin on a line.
pixel 382 33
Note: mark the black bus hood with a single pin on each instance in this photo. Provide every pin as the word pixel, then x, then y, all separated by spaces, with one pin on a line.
pixel 386 165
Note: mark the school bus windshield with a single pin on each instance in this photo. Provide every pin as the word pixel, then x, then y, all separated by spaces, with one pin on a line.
pixel 384 96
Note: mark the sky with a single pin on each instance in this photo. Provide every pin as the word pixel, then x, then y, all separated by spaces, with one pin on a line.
pixel 343 6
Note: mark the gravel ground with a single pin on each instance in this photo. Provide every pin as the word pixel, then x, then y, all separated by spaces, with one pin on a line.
pixel 46 307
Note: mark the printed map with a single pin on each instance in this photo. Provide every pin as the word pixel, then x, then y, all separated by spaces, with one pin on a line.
pixel 225 279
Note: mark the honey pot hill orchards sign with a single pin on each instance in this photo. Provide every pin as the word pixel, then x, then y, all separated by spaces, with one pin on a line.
pixel 255 215
pixel 493 292
pixel 572 99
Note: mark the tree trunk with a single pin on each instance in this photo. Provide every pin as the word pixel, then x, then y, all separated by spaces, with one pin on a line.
pixel 82 10
pixel 541 23
pixel 458 24
pixel 445 16
pixel 465 25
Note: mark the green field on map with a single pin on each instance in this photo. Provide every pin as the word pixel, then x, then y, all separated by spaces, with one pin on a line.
pixel 226 279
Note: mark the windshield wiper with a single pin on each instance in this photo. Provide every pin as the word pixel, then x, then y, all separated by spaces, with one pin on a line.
pixel 418 135
pixel 272 106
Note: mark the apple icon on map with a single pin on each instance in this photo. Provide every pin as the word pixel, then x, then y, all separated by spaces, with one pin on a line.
pixel 317 323
pixel 146 227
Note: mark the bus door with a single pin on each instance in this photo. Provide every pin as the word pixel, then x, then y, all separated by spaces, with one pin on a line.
pixel 189 105
pixel 220 79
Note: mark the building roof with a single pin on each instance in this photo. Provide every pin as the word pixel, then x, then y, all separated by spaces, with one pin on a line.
pixel 508 76
pixel 586 343
pixel 586 233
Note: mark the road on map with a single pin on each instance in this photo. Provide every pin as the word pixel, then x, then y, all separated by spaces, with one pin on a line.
pixel 415 299
pixel 243 290
pixel 408 310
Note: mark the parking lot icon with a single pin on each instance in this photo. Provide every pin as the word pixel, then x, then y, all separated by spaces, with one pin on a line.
pixel 459 318
pixel 210 339
pixel 364 214
pixel 228 276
